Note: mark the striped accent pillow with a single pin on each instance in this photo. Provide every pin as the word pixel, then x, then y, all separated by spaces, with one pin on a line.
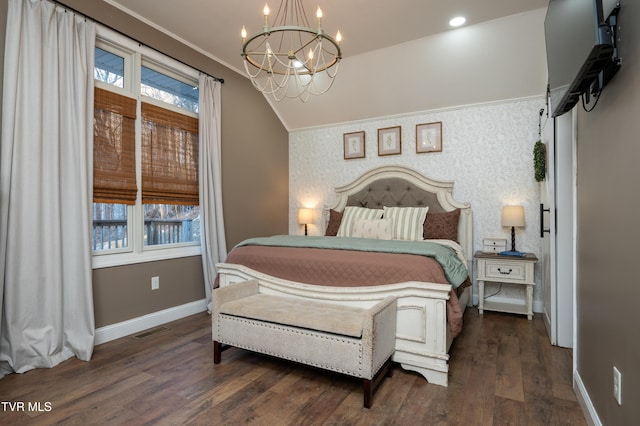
pixel 408 222
pixel 350 213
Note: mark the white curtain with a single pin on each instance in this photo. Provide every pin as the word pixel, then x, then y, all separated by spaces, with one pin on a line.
pixel 212 237
pixel 46 314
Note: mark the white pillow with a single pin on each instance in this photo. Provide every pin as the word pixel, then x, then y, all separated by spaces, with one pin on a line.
pixel 408 222
pixel 380 229
pixel 350 213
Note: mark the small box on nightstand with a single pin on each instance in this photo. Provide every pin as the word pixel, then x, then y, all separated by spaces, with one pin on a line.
pixel 494 245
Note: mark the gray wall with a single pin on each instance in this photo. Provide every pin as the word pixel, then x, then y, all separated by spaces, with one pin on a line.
pixel 608 288
pixel 180 282
pixel 254 179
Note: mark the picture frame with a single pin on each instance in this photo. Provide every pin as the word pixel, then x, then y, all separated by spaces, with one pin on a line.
pixel 429 137
pixel 390 141
pixel 354 145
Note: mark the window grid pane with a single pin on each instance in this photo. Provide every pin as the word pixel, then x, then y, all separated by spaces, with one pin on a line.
pixel 110 230
pixel 114 168
pixel 170 90
pixel 171 224
pixel 169 157
pixel 108 68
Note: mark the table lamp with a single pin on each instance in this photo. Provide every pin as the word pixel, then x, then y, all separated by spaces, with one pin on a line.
pixel 513 216
pixel 305 216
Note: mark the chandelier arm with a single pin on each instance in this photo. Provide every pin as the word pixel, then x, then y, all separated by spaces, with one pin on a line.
pixel 301 48
pixel 265 59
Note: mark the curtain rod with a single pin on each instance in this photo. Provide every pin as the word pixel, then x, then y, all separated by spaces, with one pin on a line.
pixel 65 7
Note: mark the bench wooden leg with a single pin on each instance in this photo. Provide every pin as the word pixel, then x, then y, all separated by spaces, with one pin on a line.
pixel 369 386
pixel 368 392
pixel 216 352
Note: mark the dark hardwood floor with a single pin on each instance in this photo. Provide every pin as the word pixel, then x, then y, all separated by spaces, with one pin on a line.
pixel 503 371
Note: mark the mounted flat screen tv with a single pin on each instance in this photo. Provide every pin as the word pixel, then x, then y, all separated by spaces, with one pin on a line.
pixel 580 41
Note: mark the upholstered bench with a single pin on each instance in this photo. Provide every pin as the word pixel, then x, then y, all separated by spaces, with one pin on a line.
pixel 350 340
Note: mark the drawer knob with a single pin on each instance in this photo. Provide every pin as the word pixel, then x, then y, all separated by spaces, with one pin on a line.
pixel 505 272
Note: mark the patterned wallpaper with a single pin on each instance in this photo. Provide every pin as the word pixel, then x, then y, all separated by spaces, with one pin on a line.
pixel 486 149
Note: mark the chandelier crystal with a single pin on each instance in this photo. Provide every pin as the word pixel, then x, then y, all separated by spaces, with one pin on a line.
pixel 291 59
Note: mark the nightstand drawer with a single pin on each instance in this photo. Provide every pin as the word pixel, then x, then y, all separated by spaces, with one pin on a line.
pixel 501 270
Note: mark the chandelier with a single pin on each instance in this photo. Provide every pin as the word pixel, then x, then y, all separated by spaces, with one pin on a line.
pixel 290 59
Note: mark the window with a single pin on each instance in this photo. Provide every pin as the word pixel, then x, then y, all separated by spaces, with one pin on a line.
pixel 145 155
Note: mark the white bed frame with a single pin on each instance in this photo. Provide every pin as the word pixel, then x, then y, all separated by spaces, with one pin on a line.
pixel 422 335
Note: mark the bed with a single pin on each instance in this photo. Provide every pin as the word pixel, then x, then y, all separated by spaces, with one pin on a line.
pixel 430 303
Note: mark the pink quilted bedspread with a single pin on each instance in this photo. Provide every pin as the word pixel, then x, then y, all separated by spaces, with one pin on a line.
pixel 346 268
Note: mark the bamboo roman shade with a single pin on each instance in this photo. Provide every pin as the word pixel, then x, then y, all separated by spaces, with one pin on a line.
pixel 114 167
pixel 169 156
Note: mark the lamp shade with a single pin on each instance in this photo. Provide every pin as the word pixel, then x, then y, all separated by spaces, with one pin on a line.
pixel 513 216
pixel 305 216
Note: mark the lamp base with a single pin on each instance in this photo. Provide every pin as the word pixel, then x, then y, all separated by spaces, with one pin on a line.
pixel 512 253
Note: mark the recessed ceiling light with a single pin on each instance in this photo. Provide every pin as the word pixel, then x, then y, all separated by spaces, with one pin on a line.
pixel 457 21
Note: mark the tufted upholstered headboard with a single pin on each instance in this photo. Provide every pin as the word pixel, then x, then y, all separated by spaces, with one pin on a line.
pixel 404 187
pixel 394 192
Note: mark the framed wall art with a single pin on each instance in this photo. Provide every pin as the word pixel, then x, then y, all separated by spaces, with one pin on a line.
pixel 354 146
pixel 390 141
pixel 429 137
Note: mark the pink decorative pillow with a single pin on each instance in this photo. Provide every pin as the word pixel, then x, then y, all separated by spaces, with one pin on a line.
pixel 442 226
pixel 335 218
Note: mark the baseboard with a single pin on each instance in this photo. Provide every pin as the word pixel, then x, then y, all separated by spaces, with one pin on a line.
pixel 115 331
pixel 588 409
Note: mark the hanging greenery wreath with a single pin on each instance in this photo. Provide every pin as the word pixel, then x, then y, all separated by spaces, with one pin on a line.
pixel 539 161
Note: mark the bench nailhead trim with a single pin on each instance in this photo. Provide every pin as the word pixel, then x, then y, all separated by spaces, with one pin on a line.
pixel 293 330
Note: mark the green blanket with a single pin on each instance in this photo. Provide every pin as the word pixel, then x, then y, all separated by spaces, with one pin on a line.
pixel 454 269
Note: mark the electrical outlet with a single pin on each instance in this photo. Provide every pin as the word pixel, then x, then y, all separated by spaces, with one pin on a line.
pixel 155 283
pixel 617 385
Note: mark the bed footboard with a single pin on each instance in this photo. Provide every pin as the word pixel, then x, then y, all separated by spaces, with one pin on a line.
pixel 421 343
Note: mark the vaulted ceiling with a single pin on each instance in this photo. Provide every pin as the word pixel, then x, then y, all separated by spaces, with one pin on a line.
pixel 399 56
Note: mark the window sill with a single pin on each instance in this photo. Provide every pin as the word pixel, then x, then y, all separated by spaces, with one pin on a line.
pixel 150 255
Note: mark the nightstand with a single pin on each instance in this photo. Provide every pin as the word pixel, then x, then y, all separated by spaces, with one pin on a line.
pixel 511 270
